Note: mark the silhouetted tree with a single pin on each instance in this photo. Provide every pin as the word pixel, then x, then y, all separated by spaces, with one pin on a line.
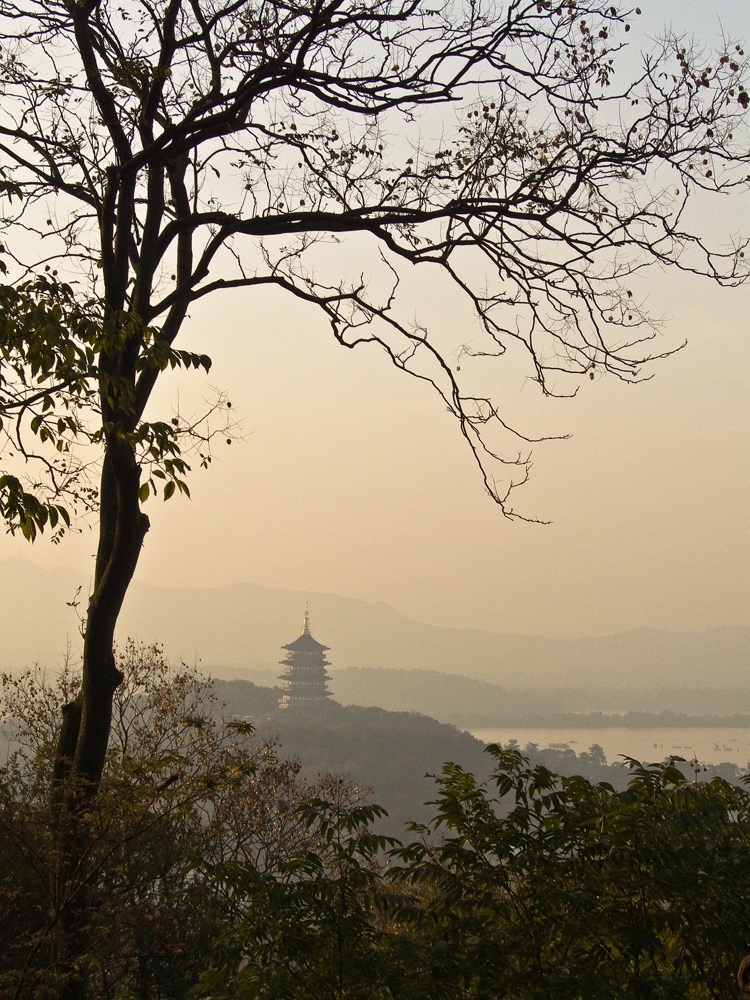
pixel 156 153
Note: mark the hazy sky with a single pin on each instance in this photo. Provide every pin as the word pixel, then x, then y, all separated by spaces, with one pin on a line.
pixel 352 479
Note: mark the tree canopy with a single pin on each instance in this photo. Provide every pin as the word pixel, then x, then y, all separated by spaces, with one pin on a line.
pixel 527 885
pixel 164 152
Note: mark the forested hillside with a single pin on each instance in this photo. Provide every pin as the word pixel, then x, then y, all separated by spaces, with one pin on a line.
pixel 392 753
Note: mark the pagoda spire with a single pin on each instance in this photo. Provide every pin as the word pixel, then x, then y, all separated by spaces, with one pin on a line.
pixel 306 622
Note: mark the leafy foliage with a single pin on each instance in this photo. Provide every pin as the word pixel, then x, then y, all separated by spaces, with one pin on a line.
pixel 584 891
pixel 310 925
pixel 540 886
pixel 180 783
pixel 50 382
pixel 46 387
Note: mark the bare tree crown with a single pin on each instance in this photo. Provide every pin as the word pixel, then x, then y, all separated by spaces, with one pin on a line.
pixel 160 152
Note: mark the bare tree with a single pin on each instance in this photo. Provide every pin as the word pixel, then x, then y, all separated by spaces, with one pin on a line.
pixel 162 150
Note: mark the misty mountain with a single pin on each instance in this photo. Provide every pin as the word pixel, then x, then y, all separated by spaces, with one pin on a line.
pixel 463 701
pixel 475 704
pixel 237 630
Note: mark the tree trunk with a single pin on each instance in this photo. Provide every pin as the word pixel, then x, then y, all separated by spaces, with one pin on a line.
pixel 84 734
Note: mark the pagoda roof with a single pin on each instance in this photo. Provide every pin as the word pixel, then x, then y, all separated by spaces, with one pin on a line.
pixel 306 644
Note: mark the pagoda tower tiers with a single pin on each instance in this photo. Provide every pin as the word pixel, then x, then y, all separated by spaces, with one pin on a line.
pixel 304 678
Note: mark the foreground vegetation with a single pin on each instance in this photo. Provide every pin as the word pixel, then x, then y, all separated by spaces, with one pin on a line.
pixel 219 872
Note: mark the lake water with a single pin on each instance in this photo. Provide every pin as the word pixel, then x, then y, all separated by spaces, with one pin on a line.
pixel 710 746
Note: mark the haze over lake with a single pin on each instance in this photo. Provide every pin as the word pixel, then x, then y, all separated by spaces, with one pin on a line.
pixel 709 746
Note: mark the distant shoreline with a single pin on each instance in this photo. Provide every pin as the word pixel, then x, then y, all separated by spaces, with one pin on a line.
pixel 619 720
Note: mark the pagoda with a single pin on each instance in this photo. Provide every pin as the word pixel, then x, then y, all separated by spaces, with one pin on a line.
pixel 304 674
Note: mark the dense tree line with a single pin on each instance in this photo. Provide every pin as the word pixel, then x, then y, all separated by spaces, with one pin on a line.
pixel 579 891
pixel 217 871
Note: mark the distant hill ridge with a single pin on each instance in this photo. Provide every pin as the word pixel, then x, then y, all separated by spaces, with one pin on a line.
pixel 239 629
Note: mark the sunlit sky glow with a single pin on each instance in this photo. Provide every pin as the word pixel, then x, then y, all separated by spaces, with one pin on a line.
pixel 350 477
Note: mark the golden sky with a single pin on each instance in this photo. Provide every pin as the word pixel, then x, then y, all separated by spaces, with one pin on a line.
pixel 351 478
